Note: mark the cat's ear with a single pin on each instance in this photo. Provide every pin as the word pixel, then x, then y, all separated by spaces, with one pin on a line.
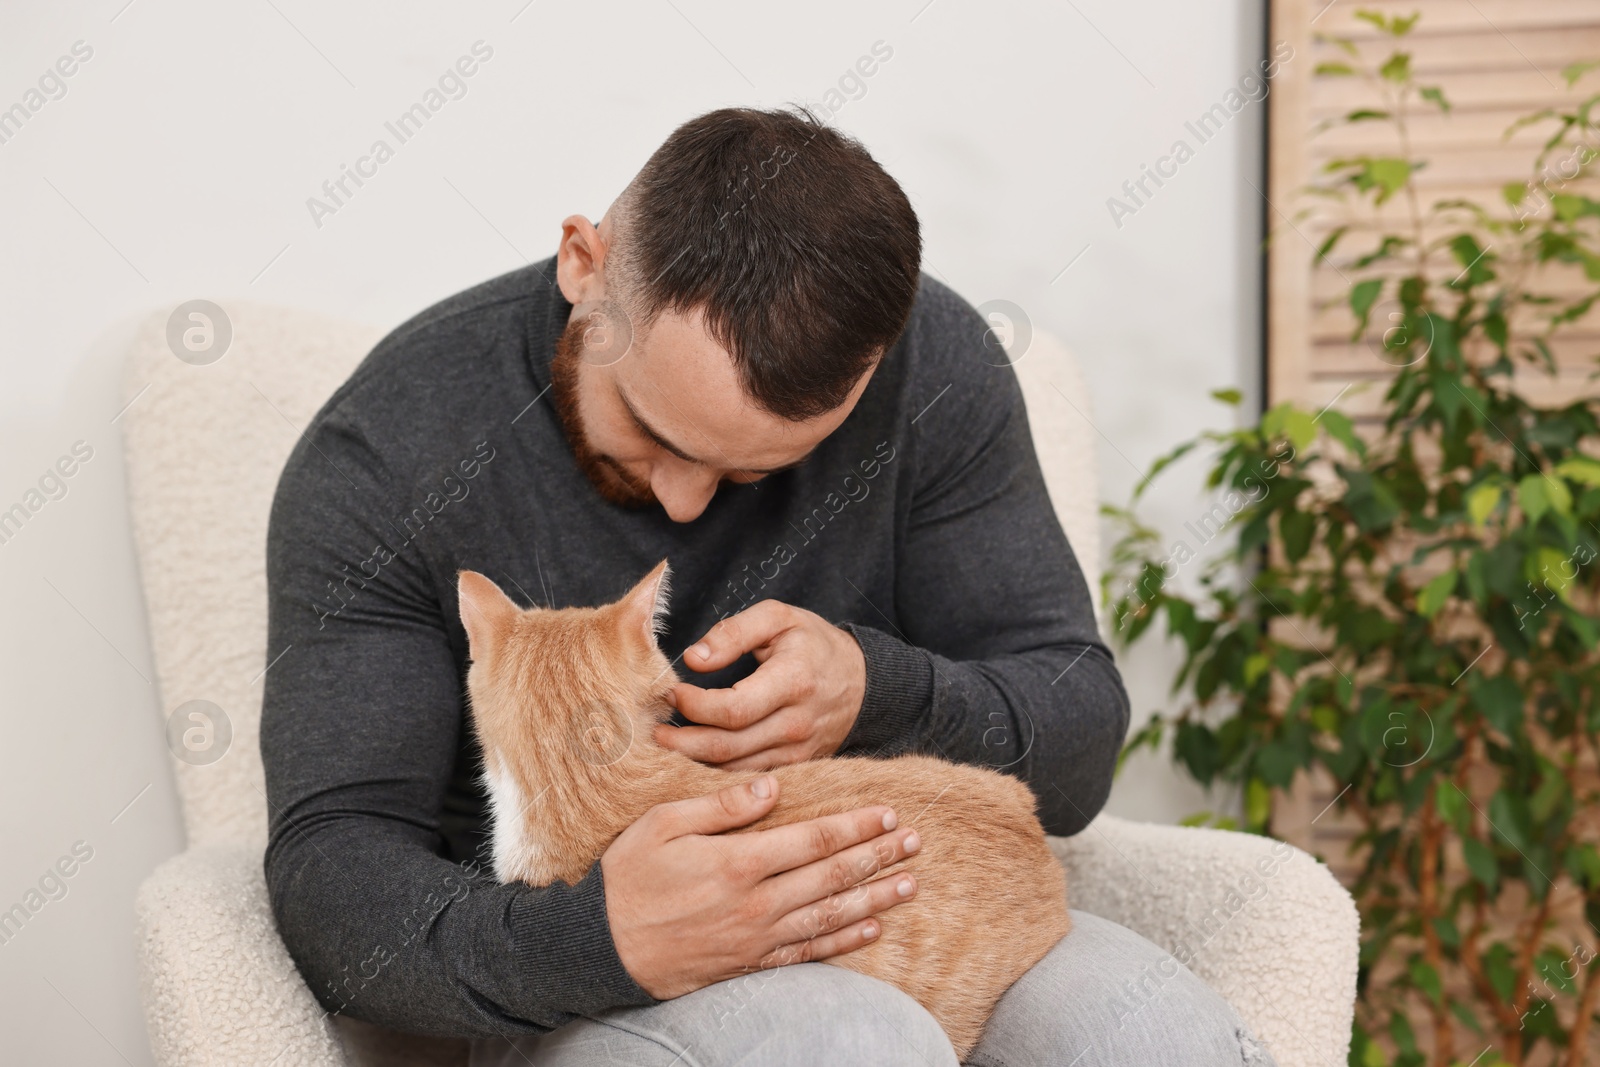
pixel 646 604
pixel 484 609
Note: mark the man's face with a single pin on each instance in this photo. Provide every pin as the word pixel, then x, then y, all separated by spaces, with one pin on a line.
pixel 668 421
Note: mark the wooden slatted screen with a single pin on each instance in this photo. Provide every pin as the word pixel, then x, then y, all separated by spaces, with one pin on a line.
pixel 1495 60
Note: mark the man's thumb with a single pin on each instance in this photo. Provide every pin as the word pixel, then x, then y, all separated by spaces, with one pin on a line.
pixel 729 807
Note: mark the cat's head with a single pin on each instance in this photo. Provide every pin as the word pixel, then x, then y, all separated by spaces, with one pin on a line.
pixel 556 685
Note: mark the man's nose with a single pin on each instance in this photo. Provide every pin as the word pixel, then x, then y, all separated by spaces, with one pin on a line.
pixel 684 489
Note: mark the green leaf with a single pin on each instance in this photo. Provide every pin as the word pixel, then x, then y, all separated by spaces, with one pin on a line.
pixel 1161 464
pixel 1482 501
pixel 1336 70
pixel 1538 493
pixel 1573 71
pixel 1338 425
pixel 1390 175
pixel 1362 296
pixel 1365 114
pixel 1257 802
pixel 1436 95
pixel 1583 863
pixel 1502 971
pixel 1301 427
pixel 1500 700
pixel 1227 396
pixel 1296 527
pixel 1569 207
pixel 1464 1013
pixel 1276 764
pixel 1481 862
pixel 1478 578
pixel 1550 567
pixel 1289 421
pixel 1404 1037
pixel 1328 242
pixel 1400 26
pixel 1497 329
pixel 1507 820
pixel 1427 979
pixel 1448 801
pixel 1435 593
pixel 1550 796
pixel 1197 747
pixel 1397 68
pixel 1396 26
pixel 1325 718
pixel 1255 667
pixel 1514 192
pixel 1580 469
pixel 1533 496
pixel 1560 496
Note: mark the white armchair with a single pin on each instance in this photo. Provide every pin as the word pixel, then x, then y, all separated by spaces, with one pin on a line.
pixel 1265 925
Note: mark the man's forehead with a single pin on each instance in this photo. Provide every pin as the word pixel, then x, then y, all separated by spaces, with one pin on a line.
pixel 682 389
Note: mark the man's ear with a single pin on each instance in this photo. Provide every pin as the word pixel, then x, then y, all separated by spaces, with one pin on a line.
pixel 645 606
pixel 580 261
pixel 485 610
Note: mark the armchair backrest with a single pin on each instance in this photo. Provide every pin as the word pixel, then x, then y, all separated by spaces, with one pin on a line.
pixel 1060 419
pixel 204 446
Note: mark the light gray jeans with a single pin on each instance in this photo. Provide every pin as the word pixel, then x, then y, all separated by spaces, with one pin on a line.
pixel 1103 997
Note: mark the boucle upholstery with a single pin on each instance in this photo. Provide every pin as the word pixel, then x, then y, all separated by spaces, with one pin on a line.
pixel 204 446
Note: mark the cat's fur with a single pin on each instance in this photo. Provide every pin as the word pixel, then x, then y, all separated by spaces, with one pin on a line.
pixel 565 702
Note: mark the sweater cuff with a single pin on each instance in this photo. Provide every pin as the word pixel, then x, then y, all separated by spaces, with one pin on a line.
pixel 898 697
pixel 562 946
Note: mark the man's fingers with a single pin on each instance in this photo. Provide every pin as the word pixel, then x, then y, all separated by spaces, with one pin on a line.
pixel 797 846
pixel 707 744
pixel 826 945
pixel 714 745
pixel 738 634
pixel 844 909
pixel 769 758
pixel 747 701
pixel 843 871
pixel 728 808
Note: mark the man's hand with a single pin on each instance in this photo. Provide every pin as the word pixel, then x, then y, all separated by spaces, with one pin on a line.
pixel 690 905
pixel 799 704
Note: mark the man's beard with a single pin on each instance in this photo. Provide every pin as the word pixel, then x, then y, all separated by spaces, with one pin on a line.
pixel 607 476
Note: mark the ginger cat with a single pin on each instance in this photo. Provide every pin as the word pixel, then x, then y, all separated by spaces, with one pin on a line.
pixel 565 702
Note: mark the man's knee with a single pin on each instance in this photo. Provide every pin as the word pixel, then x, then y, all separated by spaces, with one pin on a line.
pixel 805 1014
pixel 1134 1002
pixel 834 1014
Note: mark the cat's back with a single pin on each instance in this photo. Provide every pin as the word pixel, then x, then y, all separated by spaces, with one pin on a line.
pixel 915 786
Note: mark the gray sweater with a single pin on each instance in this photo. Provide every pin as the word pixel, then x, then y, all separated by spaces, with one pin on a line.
pixel 921 525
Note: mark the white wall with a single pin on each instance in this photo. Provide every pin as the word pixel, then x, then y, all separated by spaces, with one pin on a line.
pixel 178 165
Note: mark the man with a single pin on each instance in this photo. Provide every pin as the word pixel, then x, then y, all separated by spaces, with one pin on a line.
pixel 740 369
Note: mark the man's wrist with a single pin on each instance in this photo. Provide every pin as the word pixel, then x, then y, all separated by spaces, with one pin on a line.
pixel 561 938
pixel 899 691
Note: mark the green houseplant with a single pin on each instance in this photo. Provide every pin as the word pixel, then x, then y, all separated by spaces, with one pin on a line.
pixel 1410 606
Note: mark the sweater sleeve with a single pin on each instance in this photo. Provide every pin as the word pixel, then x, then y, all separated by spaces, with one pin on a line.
pixel 360 722
pixel 990 654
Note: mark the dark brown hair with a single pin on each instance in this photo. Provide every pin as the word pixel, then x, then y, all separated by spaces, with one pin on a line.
pixel 800 251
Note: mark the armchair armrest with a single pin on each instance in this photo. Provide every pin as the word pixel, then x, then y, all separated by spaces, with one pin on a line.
pixel 1260 921
pixel 217 982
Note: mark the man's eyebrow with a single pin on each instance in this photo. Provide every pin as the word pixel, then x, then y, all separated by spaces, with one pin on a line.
pixel 785 467
pixel 650 432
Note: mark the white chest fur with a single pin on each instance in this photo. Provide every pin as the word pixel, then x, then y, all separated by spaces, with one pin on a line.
pixel 519 855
